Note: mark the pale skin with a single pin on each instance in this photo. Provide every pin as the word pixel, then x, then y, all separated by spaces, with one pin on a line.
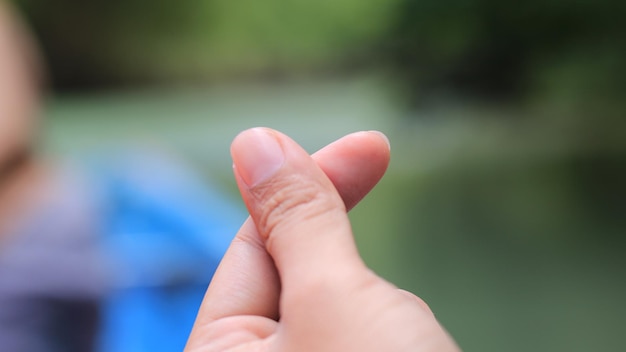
pixel 292 279
pixel 23 185
pixel 18 88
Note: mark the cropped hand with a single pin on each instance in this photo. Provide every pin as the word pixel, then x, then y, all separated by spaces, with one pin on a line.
pixel 292 279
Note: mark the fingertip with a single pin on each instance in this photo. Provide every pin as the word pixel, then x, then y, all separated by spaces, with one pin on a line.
pixel 415 299
pixel 257 155
pixel 381 136
pixel 376 145
pixel 355 163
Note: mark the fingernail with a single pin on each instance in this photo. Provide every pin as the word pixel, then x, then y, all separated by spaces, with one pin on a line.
pixel 382 135
pixel 257 155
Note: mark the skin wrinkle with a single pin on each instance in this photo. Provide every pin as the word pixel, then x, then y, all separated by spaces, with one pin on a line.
pixel 276 206
pixel 222 337
pixel 248 237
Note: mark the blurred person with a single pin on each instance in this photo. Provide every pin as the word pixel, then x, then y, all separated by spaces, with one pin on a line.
pixel 50 281
pixel 113 255
pixel 292 279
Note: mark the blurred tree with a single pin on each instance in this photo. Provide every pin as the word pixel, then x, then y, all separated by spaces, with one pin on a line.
pixel 502 51
pixel 103 42
pixel 99 43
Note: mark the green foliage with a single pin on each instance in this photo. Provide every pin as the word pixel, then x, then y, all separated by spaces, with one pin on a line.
pixel 541 51
pixel 103 42
pixel 498 50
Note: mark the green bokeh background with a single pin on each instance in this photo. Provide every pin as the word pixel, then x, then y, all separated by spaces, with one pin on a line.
pixel 504 204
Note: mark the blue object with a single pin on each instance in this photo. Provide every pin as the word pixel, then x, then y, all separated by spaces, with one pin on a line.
pixel 165 232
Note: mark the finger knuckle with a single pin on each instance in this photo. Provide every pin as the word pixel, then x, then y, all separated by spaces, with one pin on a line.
pixel 292 199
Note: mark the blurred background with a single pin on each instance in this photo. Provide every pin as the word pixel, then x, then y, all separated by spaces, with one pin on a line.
pixel 505 203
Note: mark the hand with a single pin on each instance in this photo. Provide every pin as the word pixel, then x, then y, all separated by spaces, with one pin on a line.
pixel 292 279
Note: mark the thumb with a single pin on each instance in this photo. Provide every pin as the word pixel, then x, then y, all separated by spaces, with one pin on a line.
pixel 296 208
